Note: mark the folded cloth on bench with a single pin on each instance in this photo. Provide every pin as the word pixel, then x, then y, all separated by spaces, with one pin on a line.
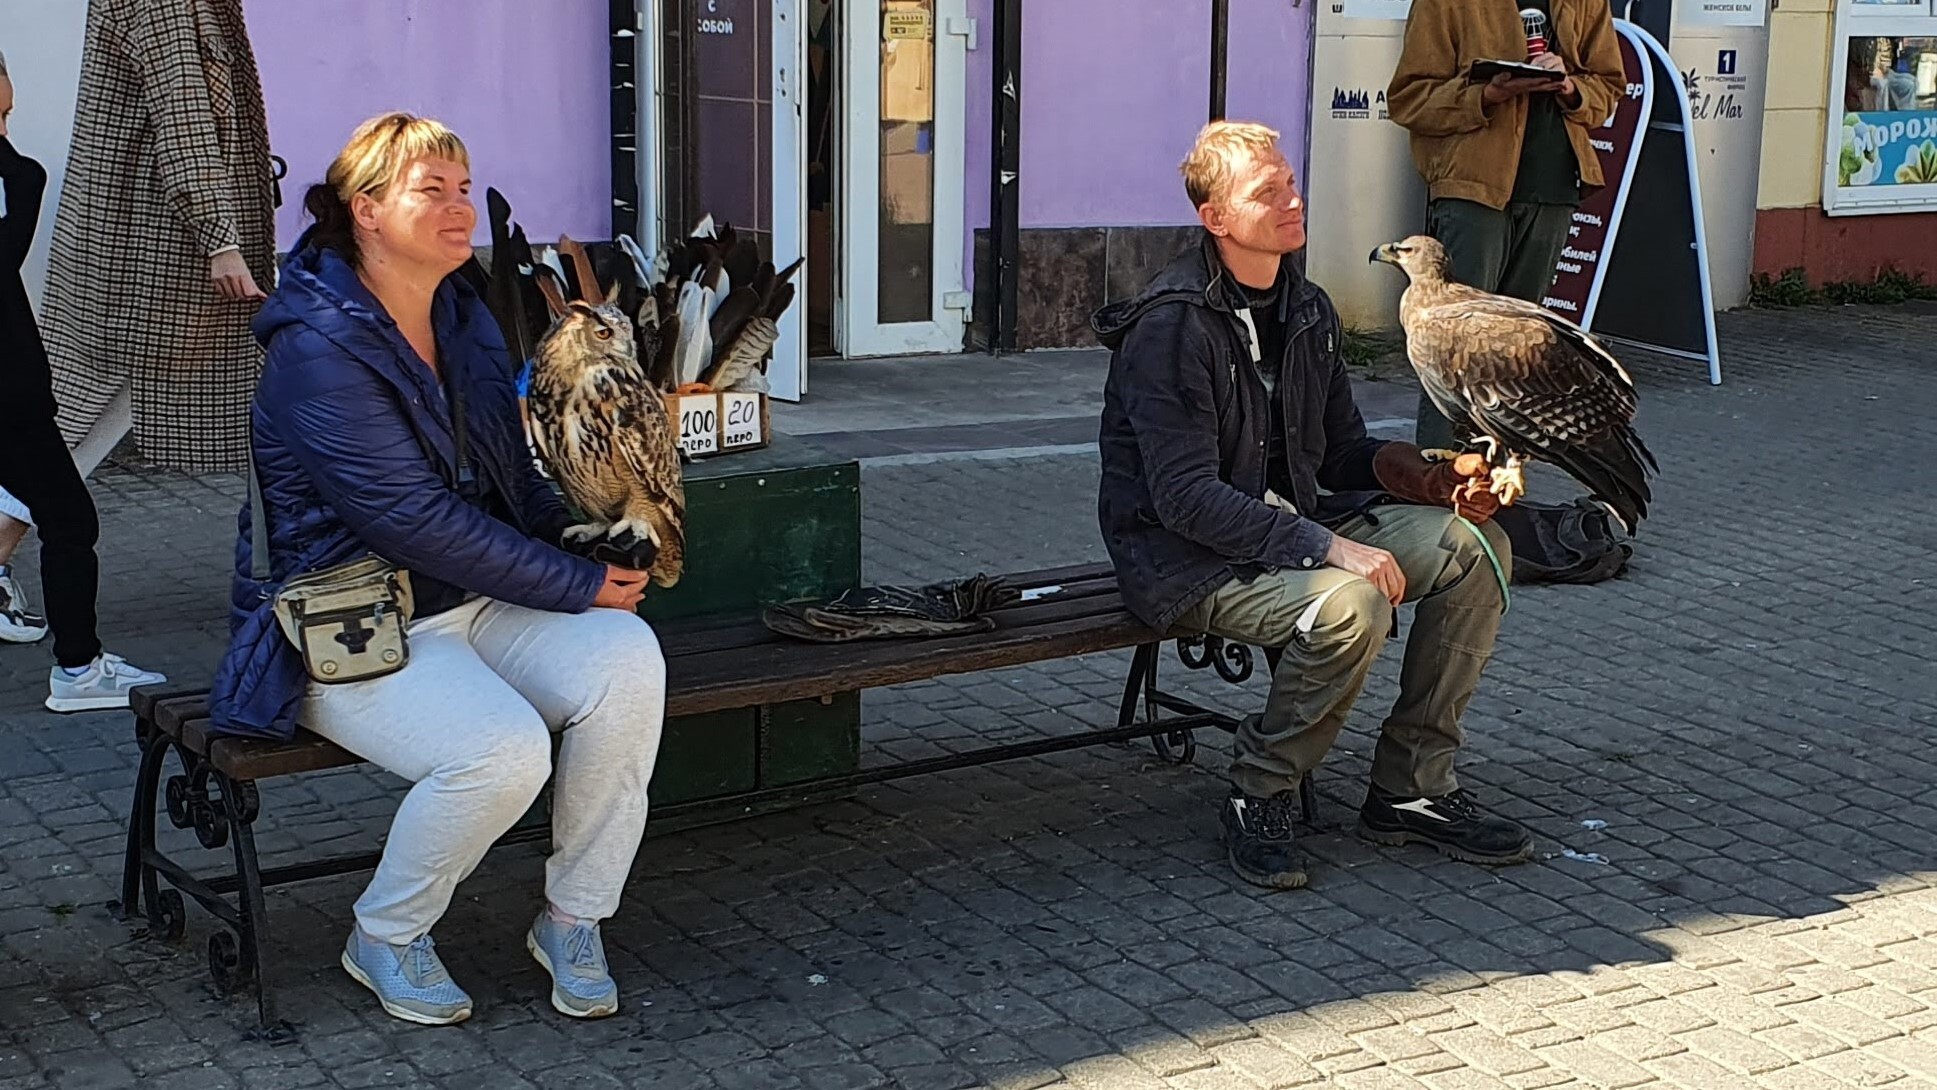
pixel 886 612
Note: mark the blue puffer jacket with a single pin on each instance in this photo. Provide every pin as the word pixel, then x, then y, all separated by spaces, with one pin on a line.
pixel 354 450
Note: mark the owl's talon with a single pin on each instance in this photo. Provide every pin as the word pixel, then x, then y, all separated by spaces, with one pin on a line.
pixel 584 531
pixel 1439 454
pixel 637 530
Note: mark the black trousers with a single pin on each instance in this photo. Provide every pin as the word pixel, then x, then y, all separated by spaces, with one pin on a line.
pixel 36 467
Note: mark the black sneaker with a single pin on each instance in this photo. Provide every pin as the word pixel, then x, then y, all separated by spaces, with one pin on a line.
pixel 1256 834
pixel 1453 823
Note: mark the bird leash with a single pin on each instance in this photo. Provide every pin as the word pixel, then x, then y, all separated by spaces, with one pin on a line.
pixel 1499 570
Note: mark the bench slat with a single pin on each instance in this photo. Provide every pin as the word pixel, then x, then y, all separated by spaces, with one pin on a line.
pixel 1069 574
pixel 174 712
pixel 146 700
pixel 683 643
pixel 776 673
pixel 1070 578
pixel 254 759
pixel 723 664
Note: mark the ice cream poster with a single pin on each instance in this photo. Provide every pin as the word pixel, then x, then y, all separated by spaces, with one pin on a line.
pixel 1896 148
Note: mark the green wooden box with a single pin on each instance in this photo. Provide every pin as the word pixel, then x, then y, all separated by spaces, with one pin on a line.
pixel 762 526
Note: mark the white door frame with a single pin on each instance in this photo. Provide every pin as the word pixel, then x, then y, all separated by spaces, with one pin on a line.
pixel 649 119
pixel 787 375
pixel 861 334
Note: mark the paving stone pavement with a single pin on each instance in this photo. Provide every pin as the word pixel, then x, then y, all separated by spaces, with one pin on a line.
pixel 1751 711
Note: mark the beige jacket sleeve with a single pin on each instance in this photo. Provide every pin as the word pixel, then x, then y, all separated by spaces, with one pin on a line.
pixel 1602 78
pixel 1429 95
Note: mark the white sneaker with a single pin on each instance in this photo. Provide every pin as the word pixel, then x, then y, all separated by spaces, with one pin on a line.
pixel 104 686
pixel 18 624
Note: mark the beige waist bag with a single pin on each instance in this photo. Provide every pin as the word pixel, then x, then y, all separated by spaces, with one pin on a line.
pixel 349 621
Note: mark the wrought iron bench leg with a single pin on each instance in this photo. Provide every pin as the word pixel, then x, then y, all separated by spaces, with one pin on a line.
pixel 1179 747
pixel 1141 665
pixel 236 957
pixel 224 818
pixel 1233 663
pixel 139 887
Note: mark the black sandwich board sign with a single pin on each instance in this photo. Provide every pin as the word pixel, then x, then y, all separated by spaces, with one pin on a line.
pixel 1636 270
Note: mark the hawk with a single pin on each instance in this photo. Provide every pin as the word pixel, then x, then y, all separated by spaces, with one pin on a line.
pixel 1521 381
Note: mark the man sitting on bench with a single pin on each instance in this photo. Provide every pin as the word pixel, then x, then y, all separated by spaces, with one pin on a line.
pixel 1227 409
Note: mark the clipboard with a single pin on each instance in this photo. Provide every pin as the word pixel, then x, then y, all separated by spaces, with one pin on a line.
pixel 1483 71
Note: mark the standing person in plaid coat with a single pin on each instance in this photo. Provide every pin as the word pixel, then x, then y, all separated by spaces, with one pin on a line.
pixel 162 245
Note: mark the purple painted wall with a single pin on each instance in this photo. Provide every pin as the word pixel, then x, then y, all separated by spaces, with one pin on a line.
pixel 523 83
pixel 1113 93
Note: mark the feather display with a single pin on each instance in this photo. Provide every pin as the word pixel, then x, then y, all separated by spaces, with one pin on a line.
pixel 695 345
pixel 508 290
pixel 621 331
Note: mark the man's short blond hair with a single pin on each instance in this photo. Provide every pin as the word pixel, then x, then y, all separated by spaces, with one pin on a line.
pixel 1221 148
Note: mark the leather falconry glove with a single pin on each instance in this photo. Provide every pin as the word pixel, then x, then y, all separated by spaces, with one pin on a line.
pixel 1459 484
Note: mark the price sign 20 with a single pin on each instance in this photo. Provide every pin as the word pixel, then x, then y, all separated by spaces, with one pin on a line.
pixel 743 420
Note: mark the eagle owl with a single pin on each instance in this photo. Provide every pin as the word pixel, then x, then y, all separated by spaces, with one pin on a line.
pixel 604 431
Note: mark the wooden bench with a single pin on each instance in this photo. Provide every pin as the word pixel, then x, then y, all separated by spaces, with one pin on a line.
pixel 711 665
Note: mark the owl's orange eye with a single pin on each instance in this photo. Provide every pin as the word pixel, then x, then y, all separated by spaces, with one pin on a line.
pixel 603 333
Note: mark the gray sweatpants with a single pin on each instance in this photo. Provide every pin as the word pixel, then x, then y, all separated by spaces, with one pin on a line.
pixel 470 719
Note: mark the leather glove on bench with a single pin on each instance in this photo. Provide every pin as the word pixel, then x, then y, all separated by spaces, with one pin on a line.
pixel 1411 478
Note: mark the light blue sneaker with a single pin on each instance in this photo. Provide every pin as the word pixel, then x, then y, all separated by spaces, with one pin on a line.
pixel 410 981
pixel 582 985
pixel 105 685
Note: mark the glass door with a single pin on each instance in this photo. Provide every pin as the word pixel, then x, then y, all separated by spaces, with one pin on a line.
pixel 731 102
pixel 902 291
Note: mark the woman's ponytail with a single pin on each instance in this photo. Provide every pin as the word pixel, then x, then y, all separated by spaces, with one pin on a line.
pixel 334 228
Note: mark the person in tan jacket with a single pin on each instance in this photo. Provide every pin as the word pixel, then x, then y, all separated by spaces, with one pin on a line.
pixel 1506 162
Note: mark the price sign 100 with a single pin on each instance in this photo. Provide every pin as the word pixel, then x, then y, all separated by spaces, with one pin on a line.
pixel 699 424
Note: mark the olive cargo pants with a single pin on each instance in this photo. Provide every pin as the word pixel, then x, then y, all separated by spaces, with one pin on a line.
pixel 1331 625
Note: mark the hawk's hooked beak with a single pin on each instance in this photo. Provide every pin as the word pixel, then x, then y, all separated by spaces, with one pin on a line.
pixel 1384 253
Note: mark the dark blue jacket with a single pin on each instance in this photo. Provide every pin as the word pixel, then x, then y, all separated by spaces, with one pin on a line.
pixel 1186 426
pixel 354 450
